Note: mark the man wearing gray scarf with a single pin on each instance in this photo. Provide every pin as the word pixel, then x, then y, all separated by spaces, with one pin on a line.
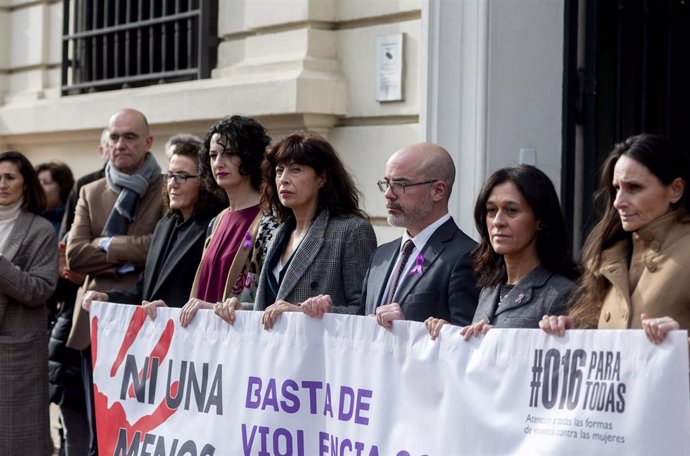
pixel 113 225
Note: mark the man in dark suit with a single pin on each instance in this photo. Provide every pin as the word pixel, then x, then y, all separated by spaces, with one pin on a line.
pixel 433 275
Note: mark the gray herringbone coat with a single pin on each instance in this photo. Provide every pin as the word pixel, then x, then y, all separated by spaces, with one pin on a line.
pixel 331 259
pixel 28 276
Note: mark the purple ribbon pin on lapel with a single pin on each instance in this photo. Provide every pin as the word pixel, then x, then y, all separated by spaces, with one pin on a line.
pixel 247 243
pixel 418 265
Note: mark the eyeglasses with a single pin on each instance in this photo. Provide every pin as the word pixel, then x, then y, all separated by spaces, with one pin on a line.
pixel 178 177
pixel 399 187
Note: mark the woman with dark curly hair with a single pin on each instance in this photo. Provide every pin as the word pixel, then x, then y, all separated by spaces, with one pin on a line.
pixel 324 242
pixel 637 257
pixel 230 163
pixel 28 275
pixel 522 263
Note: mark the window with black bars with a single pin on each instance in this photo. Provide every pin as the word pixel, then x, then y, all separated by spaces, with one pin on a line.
pixel 116 44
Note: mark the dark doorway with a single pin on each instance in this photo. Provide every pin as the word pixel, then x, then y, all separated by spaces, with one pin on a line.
pixel 632 76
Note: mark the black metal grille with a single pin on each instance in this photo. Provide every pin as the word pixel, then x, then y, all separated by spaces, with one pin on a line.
pixel 642 70
pixel 116 44
pixel 634 79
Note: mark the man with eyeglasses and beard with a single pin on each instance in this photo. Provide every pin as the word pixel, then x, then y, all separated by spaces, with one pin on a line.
pixel 428 271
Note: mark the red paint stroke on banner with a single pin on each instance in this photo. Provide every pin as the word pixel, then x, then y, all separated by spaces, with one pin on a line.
pixel 109 420
pixel 135 325
pixel 160 351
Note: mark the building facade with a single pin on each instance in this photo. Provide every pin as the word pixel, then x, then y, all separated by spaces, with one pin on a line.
pixel 484 78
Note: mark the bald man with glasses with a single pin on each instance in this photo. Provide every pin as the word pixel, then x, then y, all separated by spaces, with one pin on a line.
pixel 428 271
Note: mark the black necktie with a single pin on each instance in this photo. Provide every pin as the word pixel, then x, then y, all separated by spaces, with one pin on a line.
pixel 395 279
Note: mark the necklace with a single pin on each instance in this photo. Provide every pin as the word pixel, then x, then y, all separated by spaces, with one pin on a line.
pixel 504 291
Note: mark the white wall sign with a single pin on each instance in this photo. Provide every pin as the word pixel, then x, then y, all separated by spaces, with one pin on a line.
pixel 389 67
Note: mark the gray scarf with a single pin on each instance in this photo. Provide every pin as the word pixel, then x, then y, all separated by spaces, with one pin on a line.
pixel 130 188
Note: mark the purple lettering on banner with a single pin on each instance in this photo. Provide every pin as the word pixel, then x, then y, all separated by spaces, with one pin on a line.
pixel 291 402
pixel 247 443
pixel 263 430
pixel 345 443
pixel 346 403
pixel 333 445
pixel 323 444
pixel 359 446
pixel 287 439
pixel 282 442
pixel 271 397
pixel 327 407
pixel 362 394
pixel 312 387
pixel 253 389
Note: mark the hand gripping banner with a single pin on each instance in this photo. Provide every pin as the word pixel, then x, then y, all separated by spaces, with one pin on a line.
pixel 344 386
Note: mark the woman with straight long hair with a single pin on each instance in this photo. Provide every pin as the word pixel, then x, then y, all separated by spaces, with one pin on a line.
pixel 637 257
pixel 522 263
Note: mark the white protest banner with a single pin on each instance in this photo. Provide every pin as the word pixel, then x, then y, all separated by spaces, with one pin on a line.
pixel 344 386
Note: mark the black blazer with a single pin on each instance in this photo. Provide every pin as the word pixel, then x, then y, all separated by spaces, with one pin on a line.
pixel 174 276
pixel 445 289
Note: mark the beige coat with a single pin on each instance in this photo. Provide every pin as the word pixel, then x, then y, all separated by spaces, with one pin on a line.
pixel 657 281
pixel 84 255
